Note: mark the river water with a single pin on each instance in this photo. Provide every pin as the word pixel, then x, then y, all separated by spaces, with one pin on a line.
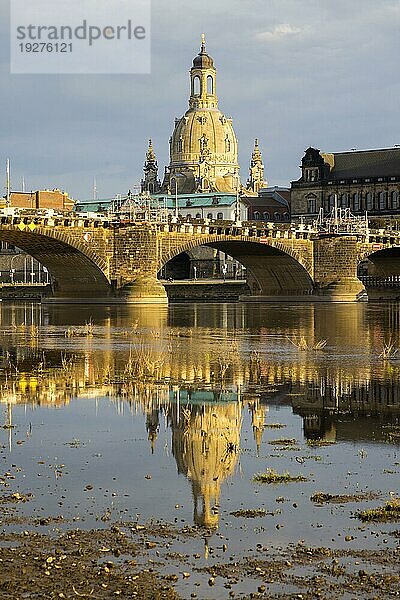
pixel 133 413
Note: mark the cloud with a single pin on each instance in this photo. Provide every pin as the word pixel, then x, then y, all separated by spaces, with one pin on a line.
pixel 279 32
pixel 64 130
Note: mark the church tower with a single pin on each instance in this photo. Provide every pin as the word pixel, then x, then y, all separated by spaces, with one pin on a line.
pixel 203 146
pixel 150 183
pixel 256 179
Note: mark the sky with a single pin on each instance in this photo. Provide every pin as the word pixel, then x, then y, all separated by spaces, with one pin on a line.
pixel 294 74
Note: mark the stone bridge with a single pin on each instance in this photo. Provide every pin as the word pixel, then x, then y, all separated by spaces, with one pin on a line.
pixel 98 260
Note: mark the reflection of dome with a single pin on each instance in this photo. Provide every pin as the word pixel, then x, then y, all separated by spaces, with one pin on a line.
pixel 205 444
pixel 203 151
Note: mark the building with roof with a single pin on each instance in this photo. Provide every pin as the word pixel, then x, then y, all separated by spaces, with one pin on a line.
pixel 272 204
pixel 97 205
pixel 203 145
pixel 40 199
pixel 363 181
pixel 213 206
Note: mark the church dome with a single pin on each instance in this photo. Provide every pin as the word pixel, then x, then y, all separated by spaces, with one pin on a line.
pixel 203 61
pixel 203 146
pixel 204 139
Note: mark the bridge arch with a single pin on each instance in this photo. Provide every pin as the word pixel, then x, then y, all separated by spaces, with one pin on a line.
pixel 386 261
pixel 76 270
pixel 274 268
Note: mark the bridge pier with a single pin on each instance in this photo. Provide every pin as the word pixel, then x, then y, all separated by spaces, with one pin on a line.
pixel 145 289
pixel 345 289
pixel 335 269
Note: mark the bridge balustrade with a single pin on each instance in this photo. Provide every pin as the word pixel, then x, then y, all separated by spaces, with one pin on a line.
pixel 371 281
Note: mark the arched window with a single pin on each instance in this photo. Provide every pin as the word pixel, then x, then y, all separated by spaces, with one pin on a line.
pixel 286 217
pixel 196 86
pixel 395 200
pixel 210 85
pixel 220 216
pixel 266 216
pixel 256 216
pixel 370 201
pixel 198 215
pixel 277 216
pixel 356 202
pixel 227 144
pixel 382 200
pixel 344 200
pixel 209 216
pixel 188 216
pixel 180 145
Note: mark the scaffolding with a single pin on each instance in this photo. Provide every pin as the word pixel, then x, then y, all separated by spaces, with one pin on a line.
pixel 116 203
pixel 141 207
pixel 341 221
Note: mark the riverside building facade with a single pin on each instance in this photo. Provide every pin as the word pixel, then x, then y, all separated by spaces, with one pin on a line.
pixel 363 181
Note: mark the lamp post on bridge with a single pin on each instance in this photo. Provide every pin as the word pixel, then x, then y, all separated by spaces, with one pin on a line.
pixel 176 207
pixel 174 179
pixel 12 270
pixel 237 205
pixel 237 200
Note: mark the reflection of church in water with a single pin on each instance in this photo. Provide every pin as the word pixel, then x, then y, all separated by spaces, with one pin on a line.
pixel 206 445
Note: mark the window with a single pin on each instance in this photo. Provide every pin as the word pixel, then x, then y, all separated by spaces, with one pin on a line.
pixel 395 200
pixel 210 85
pixel 180 145
pixel 311 174
pixel 370 201
pixel 311 204
pixel 382 200
pixel 196 86
pixel 286 217
pixel 198 215
pixel 344 201
pixel 356 202
pixel 266 216
pixel 220 216
pixel 188 216
pixel 209 216
pixel 256 215
pixel 277 216
pixel 331 201
pixel 227 144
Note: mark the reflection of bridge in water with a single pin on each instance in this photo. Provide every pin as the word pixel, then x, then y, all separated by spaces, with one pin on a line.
pixel 202 380
pixel 206 419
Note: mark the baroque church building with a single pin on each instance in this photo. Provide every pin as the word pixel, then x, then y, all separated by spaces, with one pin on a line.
pixel 203 146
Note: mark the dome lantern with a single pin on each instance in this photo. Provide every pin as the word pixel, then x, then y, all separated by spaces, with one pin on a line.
pixel 203 80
